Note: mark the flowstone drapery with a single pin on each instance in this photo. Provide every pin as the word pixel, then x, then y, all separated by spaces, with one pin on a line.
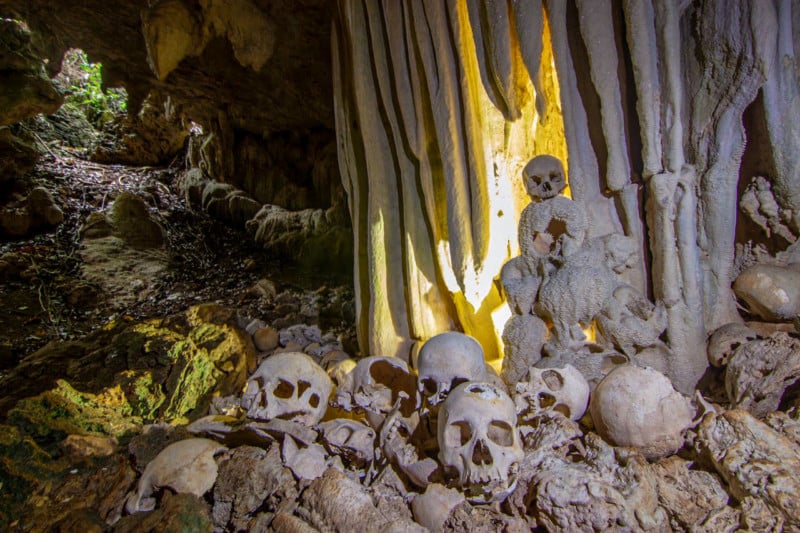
pixel 435 116
pixel 436 109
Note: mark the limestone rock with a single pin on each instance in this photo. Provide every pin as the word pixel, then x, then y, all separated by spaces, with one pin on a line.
pixel 152 136
pixel 761 370
pixel 16 155
pixel 25 89
pixel 225 202
pixel 249 478
pixel 787 425
pixel 307 236
pixel 481 519
pixel 36 211
pixel 689 496
pixel 23 465
pixel 179 512
pixel 163 368
pixel 571 498
pixel 89 446
pixel 523 339
pixel 131 221
pixel 335 502
pixel 63 411
pixel 770 292
pixel 754 460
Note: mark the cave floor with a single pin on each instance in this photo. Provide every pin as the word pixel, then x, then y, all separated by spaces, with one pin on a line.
pixel 48 293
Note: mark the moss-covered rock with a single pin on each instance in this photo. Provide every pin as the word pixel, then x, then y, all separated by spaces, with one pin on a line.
pixel 167 370
pixel 207 354
pixel 23 465
pixel 178 512
pixel 54 414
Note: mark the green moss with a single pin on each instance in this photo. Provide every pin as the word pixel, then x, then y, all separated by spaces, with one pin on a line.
pixel 144 395
pixel 190 381
pixel 54 414
pixel 23 467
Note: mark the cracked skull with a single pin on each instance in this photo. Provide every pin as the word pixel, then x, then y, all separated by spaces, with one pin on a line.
pixel 379 384
pixel 447 360
pixel 478 439
pixel 563 390
pixel 289 386
pixel 543 177
pixel 350 439
pixel 726 340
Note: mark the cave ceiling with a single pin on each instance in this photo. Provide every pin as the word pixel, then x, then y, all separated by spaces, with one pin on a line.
pixel 287 86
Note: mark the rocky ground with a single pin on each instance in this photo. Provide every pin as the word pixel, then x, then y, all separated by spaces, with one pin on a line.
pixel 161 373
pixel 61 285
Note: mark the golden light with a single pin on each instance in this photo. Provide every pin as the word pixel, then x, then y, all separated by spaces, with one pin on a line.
pixel 508 146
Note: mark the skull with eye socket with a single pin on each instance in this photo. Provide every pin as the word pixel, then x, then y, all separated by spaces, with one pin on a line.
pixel 479 440
pixel 290 386
pixel 445 361
pixel 543 177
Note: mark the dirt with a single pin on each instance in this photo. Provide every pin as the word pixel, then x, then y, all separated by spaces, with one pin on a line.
pixel 46 295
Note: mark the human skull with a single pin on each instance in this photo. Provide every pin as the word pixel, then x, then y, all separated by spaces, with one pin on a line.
pixel 478 439
pixel 432 507
pixel 350 439
pixel 186 466
pixel 289 386
pixel 725 340
pixel 544 177
pixel 563 390
pixel 377 385
pixel 592 360
pixel 447 360
pixel 638 407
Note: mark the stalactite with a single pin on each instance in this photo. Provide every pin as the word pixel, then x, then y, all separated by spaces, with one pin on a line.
pixel 726 79
pixel 782 105
pixel 448 87
pixel 597 29
pixel 431 161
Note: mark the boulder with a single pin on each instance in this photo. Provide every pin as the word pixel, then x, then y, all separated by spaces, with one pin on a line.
pixel 25 89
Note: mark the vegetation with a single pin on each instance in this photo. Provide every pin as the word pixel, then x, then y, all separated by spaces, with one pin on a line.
pixel 83 81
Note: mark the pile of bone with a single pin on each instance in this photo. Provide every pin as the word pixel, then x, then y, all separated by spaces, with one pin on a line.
pixel 318 441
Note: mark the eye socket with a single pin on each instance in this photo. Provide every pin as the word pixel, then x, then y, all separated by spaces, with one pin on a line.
pixel 284 390
pixel 457 434
pixel 313 401
pixel 302 386
pixel 501 433
pixel 553 379
pixel 429 386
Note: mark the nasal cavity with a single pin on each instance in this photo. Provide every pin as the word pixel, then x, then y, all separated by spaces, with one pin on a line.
pixel 481 455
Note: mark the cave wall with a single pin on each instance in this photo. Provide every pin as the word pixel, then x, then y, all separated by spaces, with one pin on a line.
pixel 653 95
pixel 239 68
pixel 436 114
pixel 661 110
